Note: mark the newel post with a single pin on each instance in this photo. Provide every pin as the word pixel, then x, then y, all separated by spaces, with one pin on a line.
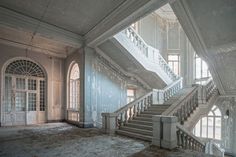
pixel 109 122
pixel 169 139
pixel 164 131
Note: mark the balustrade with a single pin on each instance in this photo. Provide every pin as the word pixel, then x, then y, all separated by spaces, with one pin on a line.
pixel 184 107
pixel 146 50
pixel 162 96
pixel 133 109
pixel 186 140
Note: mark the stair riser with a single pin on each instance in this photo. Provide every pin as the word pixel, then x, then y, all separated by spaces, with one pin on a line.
pixel 143 119
pixel 149 139
pixel 138 126
pixel 133 130
pixel 141 123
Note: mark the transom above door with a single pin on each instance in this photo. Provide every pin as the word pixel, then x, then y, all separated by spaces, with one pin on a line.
pixel 24 99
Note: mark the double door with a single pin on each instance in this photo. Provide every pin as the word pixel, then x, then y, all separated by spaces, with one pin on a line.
pixel 22 101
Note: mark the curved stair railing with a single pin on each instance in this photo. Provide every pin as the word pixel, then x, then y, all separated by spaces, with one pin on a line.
pixel 147 50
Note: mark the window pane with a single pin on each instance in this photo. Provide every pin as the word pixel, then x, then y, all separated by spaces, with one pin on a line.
pixel 130 92
pixel 204 127
pixel 198 68
pixel 204 69
pixel 217 112
pixel 218 128
pixel 31 84
pixel 20 101
pixel 173 57
pixel 210 127
pixel 8 93
pixel 32 102
pixel 210 113
pixel 42 95
pixel 20 83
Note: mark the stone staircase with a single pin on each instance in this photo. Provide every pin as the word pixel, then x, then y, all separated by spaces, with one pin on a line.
pixel 140 127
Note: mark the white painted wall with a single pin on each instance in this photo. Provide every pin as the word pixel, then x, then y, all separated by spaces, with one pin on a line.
pixel 55 78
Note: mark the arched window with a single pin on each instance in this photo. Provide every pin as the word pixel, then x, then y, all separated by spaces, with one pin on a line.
pixel 74 88
pixel 25 93
pixel 210 125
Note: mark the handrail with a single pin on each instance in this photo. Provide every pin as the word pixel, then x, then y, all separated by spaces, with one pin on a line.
pixel 163 95
pixel 187 140
pixel 133 109
pixel 183 107
pixel 132 103
pixel 146 49
pixel 206 90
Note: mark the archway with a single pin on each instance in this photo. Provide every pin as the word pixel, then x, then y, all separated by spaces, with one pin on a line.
pixel 24 90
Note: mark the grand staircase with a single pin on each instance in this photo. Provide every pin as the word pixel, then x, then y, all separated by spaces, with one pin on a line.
pixel 167 98
pixel 140 127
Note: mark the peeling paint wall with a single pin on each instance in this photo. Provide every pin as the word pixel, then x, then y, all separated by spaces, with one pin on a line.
pixel 54 68
pixel 105 89
pixel 169 37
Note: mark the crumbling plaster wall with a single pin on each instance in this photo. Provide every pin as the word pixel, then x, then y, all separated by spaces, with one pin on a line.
pixel 54 68
pixel 104 88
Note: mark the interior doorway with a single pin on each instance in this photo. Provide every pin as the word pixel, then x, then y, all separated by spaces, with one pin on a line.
pixel 24 98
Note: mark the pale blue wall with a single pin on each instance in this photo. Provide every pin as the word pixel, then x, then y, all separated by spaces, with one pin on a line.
pixel 105 89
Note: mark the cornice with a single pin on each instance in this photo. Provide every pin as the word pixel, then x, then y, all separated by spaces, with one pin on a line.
pixel 25 23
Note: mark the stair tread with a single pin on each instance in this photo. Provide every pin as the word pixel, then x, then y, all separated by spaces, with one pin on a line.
pixel 140 121
pixel 139 125
pixel 134 135
pixel 137 129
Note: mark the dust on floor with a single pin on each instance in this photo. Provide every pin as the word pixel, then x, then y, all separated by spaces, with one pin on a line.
pixel 64 140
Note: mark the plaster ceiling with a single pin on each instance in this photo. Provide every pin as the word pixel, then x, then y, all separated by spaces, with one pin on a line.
pixel 77 16
pixel 210 26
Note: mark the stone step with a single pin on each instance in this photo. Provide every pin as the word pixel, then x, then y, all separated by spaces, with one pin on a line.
pixel 162 106
pixel 137 130
pixel 140 122
pixel 134 135
pixel 148 119
pixel 151 112
pixel 147 115
pixel 139 126
pixel 156 110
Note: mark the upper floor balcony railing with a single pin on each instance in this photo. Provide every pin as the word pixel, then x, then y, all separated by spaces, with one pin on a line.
pixel 149 52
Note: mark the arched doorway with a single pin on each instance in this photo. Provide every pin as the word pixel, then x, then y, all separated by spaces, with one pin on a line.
pixel 24 100
pixel 73 103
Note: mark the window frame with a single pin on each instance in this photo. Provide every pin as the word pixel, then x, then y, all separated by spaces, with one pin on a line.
pixel 214 117
pixel 171 62
pixel 201 79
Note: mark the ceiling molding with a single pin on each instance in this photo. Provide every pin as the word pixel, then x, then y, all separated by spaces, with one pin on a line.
pixel 32 48
pixel 127 13
pixel 191 29
pixel 25 23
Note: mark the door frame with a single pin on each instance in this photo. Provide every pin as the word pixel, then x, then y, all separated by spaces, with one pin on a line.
pixel 2 85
